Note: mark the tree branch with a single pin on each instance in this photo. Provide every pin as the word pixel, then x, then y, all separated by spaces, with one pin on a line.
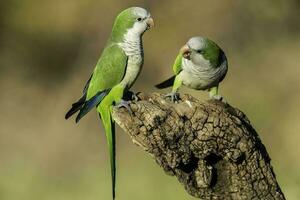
pixel 209 146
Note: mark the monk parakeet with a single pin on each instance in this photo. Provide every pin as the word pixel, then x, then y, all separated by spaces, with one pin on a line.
pixel 201 64
pixel 116 71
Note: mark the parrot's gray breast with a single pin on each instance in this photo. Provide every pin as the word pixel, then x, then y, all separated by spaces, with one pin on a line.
pixel 133 48
pixel 203 76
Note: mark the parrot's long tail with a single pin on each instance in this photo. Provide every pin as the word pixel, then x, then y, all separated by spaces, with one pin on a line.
pixel 167 83
pixel 109 127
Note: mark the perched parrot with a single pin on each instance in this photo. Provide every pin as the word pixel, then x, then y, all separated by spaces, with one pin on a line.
pixel 116 71
pixel 201 64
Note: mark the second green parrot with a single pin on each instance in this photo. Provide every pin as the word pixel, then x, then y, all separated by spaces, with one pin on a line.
pixel 116 71
pixel 201 64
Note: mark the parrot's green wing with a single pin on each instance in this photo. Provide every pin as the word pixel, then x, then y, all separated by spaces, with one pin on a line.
pixel 176 69
pixel 109 70
pixel 177 64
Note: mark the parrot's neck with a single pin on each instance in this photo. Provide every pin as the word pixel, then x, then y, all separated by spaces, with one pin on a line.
pixel 203 70
pixel 132 46
pixel 132 43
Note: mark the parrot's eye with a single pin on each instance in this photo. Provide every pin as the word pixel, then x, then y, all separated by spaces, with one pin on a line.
pixel 200 51
pixel 139 19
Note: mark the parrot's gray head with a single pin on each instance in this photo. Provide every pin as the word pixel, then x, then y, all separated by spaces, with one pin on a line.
pixel 143 20
pixel 132 23
pixel 202 51
pixel 136 20
pixel 197 43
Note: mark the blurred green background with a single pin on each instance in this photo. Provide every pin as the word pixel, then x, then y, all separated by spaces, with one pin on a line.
pixel 49 48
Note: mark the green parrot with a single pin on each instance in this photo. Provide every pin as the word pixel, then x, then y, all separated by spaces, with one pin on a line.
pixel 116 71
pixel 201 64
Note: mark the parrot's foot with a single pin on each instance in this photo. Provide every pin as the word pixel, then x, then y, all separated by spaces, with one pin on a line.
pixel 124 104
pixel 174 96
pixel 219 98
pixel 135 97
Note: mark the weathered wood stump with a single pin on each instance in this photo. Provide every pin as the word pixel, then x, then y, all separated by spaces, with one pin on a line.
pixel 209 146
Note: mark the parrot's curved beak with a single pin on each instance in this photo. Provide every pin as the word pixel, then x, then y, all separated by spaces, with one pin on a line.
pixel 150 23
pixel 186 52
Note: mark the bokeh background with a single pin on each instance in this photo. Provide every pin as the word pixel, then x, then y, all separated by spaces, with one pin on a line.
pixel 49 48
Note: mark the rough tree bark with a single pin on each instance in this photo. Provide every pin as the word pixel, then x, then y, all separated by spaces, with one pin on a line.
pixel 209 146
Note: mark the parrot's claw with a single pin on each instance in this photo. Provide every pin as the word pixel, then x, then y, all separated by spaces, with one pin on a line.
pixel 135 97
pixel 174 96
pixel 219 98
pixel 125 104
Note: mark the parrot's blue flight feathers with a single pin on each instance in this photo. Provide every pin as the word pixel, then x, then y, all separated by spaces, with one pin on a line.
pixel 79 104
pixel 76 107
pixel 91 103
